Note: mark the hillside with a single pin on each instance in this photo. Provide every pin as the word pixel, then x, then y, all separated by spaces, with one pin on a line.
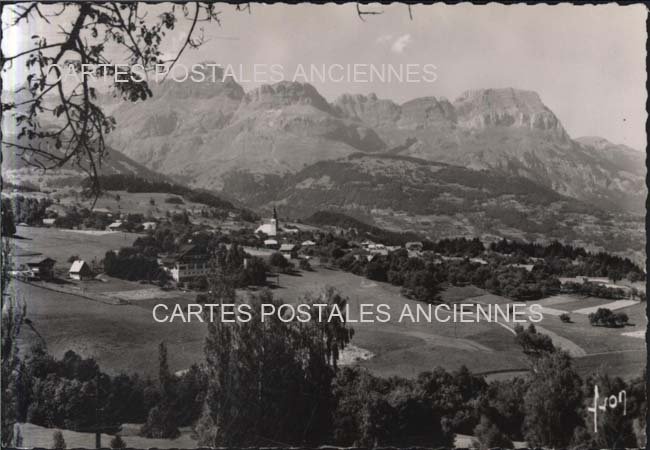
pixel 325 219
pixel 23 169
pixel 439 200
pixel 510 131
pixel 204 132
pixel 199 131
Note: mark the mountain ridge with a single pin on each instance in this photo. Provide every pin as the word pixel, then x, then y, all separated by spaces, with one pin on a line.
pixel 199 133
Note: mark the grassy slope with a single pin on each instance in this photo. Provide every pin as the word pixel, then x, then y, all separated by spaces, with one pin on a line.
pixel 125 337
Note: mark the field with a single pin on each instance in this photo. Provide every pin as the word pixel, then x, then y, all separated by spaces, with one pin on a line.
pixel 61 244
pixel 124 337
pixel 35 436
pixel 41 437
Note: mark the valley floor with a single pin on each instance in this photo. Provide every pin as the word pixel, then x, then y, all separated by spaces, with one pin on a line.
pixel 123 337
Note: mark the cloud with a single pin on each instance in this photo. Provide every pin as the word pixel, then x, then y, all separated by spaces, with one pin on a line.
pixel 401 43
pixel 384 38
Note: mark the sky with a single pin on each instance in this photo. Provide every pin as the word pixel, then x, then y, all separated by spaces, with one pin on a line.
pixel 587 63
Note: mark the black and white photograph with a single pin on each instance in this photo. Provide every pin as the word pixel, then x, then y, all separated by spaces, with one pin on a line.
pixel 354 225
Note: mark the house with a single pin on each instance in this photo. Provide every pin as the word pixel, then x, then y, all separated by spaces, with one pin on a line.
pixel 480 261
pixel 271 243
pixel 288 250
pixel 41 268
pixel 367 243
pixel 49 222
pixel 115 226
pixel 527 267
pixel 80 271
pixel 308 243
pixel 414 246
pixel 146 226
pixel 189 264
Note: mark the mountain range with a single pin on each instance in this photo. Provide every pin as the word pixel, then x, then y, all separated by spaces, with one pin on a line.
pixel 492 162
pixel 202 133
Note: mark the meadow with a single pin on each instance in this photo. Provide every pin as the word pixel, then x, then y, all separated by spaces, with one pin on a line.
pixel 124 337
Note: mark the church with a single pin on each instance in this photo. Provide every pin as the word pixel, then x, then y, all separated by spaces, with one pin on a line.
pixel 270 227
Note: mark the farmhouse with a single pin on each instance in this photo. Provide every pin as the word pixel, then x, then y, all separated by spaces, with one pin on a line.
pixel 115 226
pixel 288 250
pixel 414 246
pixel 41 268
pixel 48 222
pixel 189 264
pixel 80 270
pixel 271 243
pixel 146 226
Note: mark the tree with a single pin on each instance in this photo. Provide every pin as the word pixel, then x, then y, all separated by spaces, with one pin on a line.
pixel 58 443
pixel 278 260
pixel 614 429
pixel 99 35
pixel 532 342
pixel 12 319
pixel 502 403
pixel 489 436
pixel 553 401
pixel 8 225
pixel 117 442
pixel 268 381
pixel 614 275
pixel 607 318
pixel 304 265
pixel 161 420
pixel 255 272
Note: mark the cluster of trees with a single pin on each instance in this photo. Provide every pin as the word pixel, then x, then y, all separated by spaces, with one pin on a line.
pixel 132 183
pixel 76 217
pixel 421 277
pixel 174 200
pixel 605 317
pixel 130 264
pixel 356 229
pixel 175 401
pixel 68 393
pixel 456 247
pixel 567 260
pixel 500 272
pixel 426 411
pixel 21 209
pixel 73 393
pixel 8 224
pixel 238 268
pixel 418 278
pixel 532 342
pixel 595 290
pixel 271 382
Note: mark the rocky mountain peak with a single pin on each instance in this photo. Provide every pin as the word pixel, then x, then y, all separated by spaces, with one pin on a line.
pixel 484 108
pixel 424 112
pixel 285 93
pixel 368 108
pixel 209 83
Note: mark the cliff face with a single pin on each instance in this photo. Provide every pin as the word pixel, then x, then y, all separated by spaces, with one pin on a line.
pixel 484 108
pixel 201 132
